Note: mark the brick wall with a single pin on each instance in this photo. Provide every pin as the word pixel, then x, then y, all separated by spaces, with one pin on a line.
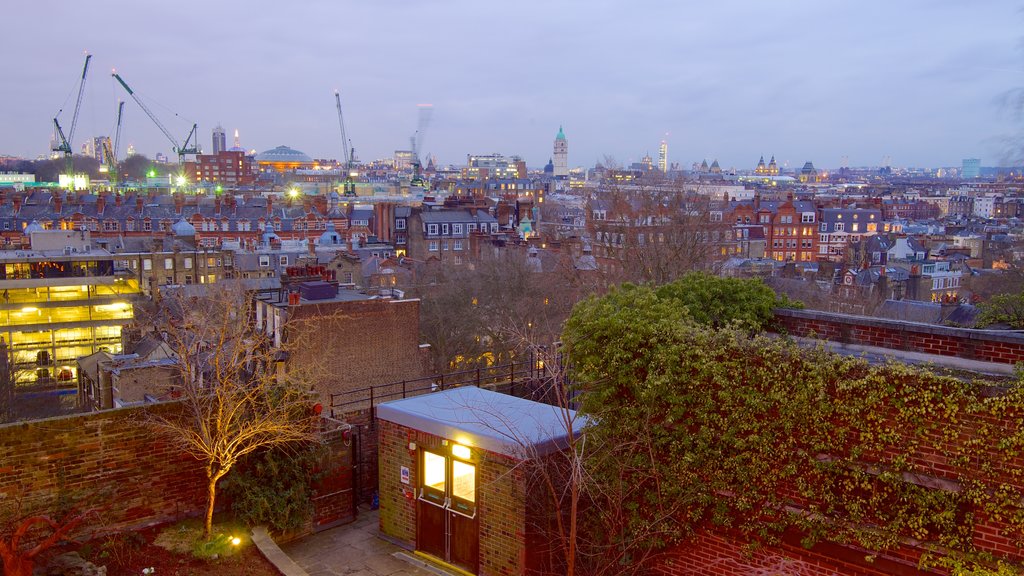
pixel 715 553
pixel 501 501
pixel 359 344
pixel 718 555
pixel 105 453
pixel 981 345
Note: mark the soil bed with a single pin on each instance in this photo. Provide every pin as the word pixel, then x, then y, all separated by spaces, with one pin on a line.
pixel 129 554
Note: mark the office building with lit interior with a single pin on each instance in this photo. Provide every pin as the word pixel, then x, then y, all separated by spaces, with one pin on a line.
pixel 58 301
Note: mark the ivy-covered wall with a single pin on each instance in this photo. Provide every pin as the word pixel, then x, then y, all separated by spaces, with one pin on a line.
pixel 699 431
pixel 982 345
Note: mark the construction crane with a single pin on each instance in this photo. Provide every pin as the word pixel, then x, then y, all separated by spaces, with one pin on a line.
pixel 111 155
pixel 416 142
pixel 65 142
pixel 348 152
pixel 181 150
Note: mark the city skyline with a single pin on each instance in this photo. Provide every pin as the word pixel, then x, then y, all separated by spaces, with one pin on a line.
pixel 920 82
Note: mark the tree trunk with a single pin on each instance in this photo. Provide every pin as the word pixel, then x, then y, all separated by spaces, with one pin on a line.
pixel 211 498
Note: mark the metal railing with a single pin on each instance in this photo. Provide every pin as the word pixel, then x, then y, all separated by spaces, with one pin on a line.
pixel 510 378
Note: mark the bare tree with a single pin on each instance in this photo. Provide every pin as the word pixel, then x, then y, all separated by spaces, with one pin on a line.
pixel 656 231
pixel 235 396
pixel 475 315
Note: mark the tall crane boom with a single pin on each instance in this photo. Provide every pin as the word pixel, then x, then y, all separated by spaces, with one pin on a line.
pixel 117 130
pixel 111 154
pixel 344 138
pixel 65 142
pixel 78 102
pixel 181 150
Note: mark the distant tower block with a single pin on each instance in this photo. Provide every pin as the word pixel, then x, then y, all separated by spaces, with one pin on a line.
pixel 561 156
pixel 219 140
pixel 238 142
pixel 663 156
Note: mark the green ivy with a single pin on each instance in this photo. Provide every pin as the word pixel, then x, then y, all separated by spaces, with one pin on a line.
pixel 693 426
pixel 274 487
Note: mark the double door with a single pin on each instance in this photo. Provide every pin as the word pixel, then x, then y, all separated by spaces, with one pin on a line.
pixel 446 509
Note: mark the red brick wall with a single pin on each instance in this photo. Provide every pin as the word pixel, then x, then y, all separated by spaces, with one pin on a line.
pixel 362 343
pixel 980 345
pixel 106 453
pixel 718 555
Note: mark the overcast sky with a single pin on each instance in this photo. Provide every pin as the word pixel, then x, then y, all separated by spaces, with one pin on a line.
pixel 919 81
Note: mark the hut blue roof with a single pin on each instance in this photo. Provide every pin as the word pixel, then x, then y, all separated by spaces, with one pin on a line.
pixel 484 419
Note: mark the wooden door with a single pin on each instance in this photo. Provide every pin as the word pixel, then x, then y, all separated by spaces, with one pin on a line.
pixel 463 535
pixel 431 514
pixel 446 510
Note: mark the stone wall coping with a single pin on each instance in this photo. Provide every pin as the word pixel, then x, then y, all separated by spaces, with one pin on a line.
pixel 125 411
pixel 1007 336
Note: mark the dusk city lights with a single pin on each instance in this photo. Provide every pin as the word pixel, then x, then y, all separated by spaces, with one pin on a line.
pixel 541 289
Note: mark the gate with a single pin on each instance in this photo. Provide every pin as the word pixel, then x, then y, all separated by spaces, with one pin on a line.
pixel 334 500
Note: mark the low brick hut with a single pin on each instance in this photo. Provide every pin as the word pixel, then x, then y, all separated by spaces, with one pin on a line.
pixel 455 478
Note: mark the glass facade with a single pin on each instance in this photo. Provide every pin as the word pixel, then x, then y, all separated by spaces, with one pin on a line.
pixel 47 326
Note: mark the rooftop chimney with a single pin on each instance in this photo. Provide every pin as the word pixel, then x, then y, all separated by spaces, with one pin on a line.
pixel 17 203
pixel 101 203
pixel 179 203
pixel 117 200
pixel 270 205
pixel 58 202
pixel 216 206
pixel 138 203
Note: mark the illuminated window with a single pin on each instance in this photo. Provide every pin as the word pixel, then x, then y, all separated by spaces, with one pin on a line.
pixel 147 264
pixel 463 481
pixel 188 263
pixel 434 471
pixel 168 263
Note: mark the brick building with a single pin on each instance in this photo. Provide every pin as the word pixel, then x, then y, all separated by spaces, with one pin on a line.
pixel 370 340
pixel 453 483
pixel 789 226
pixel 228 168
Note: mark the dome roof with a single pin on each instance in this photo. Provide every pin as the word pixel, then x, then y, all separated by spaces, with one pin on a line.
pixel 330 237
pixel 183 228
pixel 283 154
pixel 269 236
pixel 34 226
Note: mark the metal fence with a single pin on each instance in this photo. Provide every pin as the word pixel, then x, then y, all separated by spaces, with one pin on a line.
pixel 514 378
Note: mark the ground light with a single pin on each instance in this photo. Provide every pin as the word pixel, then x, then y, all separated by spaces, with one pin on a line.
pixel 236 541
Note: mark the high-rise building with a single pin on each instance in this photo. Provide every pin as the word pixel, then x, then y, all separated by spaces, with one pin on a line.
pixel 663 156
pixel 100 144
pixel 561 156
pixel 131 150
pixel 220 143
pixel 971 168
